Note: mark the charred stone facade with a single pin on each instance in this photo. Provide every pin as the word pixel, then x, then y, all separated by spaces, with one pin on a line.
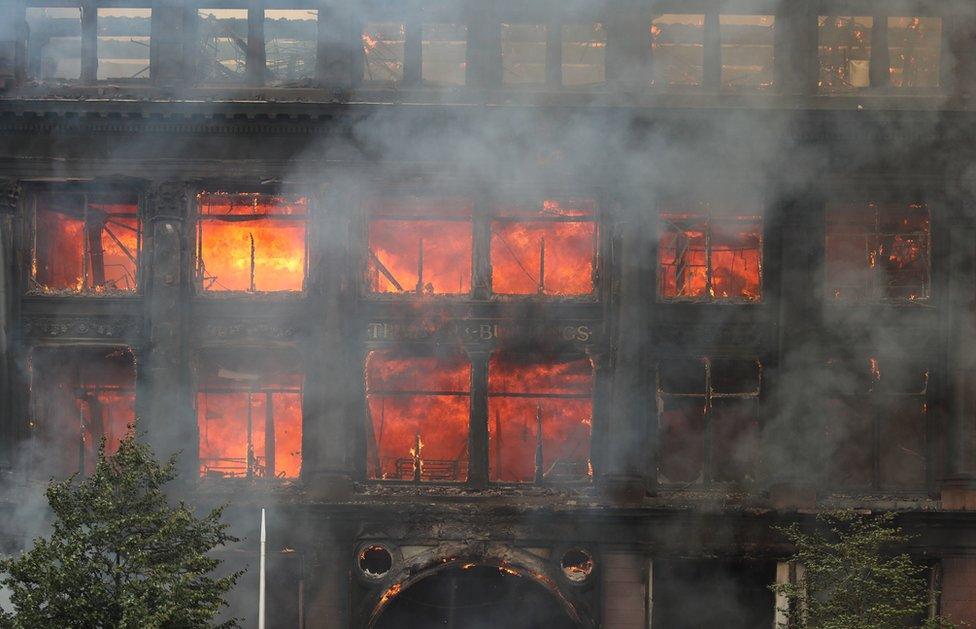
pixel 583 298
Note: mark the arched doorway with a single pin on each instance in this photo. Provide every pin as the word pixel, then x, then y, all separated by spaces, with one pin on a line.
pixel 475 597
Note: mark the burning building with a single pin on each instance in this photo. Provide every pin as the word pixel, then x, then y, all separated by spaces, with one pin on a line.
pixel 530 313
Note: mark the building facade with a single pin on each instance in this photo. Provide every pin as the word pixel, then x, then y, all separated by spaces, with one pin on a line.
pixel 539 313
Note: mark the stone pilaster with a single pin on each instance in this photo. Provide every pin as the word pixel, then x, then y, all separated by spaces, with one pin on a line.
pixel 9 194
pixel 166 50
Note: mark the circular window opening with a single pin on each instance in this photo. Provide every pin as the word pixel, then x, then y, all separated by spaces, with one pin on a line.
pixel 375 561
pixel 577 565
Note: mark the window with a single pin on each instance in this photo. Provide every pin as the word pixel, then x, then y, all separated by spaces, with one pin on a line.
pixel 222 36
pixel 54 43
pixel 540 414
pixel 914 44
pixel 383 51
pixel 747 51
pixel 845 53
pixel 79 396
pixel 707 255
pixel 677 49
pixel 123 43
pixel 708 427
pixel 548 250
pixel 249 415
pixel 876 423
pixel 85 243
pixel 584 50
pixel 443 54
pixel 290 41
pixel 250 242
pixel 417 419
pixel 737 593
pixel 524 54
pixel 419 246
pixel 878 251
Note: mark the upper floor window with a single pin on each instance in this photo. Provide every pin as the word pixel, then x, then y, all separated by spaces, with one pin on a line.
pixel 417 419
pixel 123 43
pixel 85 243
pixel 878 251
pixel 80 396
pixel 250 418
pixel 583 54
pixel 524 53
pixel 540 412
pixel 875 424
pixel 747 51
pixel 709 255
pixel 546 249
pixel 250 242
pixel 222 45
pixel 54 43
pixel 677 47
pixel 383 51
pixel 845 52
pixel 914 44
pixel 708 426
pixel 444 54
pixel 419 245
pixel 290 40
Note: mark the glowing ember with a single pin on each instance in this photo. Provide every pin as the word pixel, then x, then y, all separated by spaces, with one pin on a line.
pixel 418 416
pixel 420 246
pixel 250 242
pixel 547 252
pixel 250 424
pixel 80 397
pixel 84 245
pixel 539 419
pixel 706 256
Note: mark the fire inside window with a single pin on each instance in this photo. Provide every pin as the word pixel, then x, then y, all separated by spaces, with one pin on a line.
pixel 705 255
pixel 250 242
pixel 80 396
pixel 878 251
pixel 845 52
pixel 250 422
pixel 677 47
pixel 747 51
pixel 540 414
pixel 85 243
pixel 547 250
pixel 418 409
pixel 419 245
pixel 876 424
pixel 708 427
pixel 383 51
pixel 583 52
pixel 914 47
pixel 443 60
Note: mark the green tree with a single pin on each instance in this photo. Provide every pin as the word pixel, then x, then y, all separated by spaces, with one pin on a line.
pixel 119 554
pixel 852 579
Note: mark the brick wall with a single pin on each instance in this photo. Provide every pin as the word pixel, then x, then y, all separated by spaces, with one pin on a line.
pixel 624 591
pixel 959 589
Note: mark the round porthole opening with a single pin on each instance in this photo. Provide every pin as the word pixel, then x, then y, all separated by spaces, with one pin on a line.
pixel 375 561
pixel 577 565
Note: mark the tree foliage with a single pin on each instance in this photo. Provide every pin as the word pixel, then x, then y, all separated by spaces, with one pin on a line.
pixel 849 576
pixel 119 554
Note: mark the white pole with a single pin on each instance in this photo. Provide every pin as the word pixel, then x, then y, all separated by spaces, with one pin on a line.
pixel 264 539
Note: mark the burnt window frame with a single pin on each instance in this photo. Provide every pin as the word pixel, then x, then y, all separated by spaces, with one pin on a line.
pixel 209 356
pixel 482 217
pixel 667 86
pixel 83 49
pixel 192 238
pixel 757 396
pixel 762 211
pixel 935 250
pixel 37 431
pixel 544 358
pixel 875 402
pixel 145 76
pixel 29 205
